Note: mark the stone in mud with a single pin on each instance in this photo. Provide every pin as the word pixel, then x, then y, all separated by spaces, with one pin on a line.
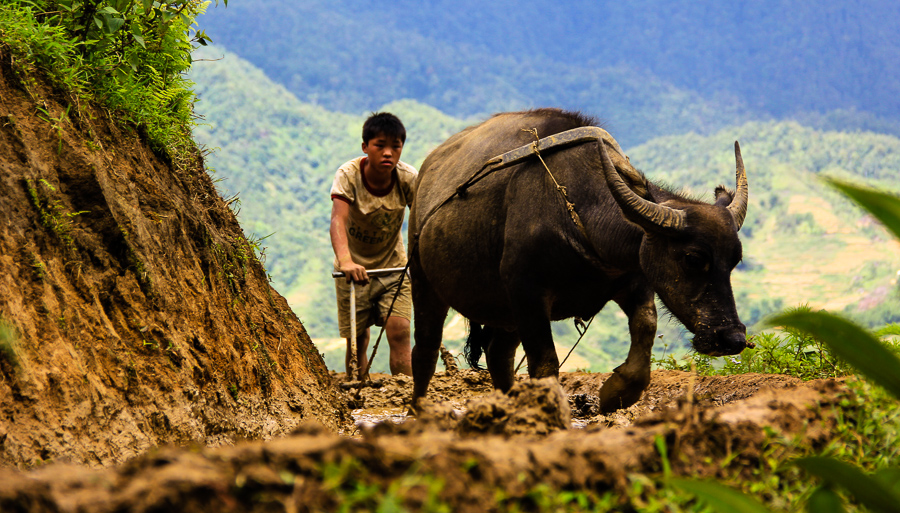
pixel 532 407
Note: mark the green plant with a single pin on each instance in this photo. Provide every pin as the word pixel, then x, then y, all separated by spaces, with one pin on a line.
pixel 54 214
pixel 355 489
pixel 9 342
pixel 40 270
pixel 790 352
pixel 129 55
pixel 56 123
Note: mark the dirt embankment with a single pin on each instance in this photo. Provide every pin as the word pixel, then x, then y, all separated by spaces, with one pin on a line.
pixel 141 314
pixel 493 450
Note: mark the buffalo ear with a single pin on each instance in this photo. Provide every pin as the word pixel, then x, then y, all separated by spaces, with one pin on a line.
pixel 724 197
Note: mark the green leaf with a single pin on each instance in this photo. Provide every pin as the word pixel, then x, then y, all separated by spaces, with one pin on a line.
pixel 825 500
pixel 113 24
pixel 853 344
pixel 869 491
pixel 108 10
pixel 888 329
pixel 720 497
pixel 885 207
pixel 140 40
pixel 890 477
pixel 134 60
pixel 148 5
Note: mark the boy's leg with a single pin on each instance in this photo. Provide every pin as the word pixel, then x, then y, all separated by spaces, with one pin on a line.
pixel 396 327
pixel 397 331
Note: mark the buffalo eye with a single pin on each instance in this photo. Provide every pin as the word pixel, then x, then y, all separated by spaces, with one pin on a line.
pixel 696 262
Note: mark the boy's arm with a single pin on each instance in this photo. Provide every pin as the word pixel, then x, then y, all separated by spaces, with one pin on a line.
pixel 340 213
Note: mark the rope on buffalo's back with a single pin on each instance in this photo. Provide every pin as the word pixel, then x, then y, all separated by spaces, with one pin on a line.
pixel 562 189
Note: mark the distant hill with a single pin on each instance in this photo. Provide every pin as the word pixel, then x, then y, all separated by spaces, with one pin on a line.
pixel 650 67
pixel 803 242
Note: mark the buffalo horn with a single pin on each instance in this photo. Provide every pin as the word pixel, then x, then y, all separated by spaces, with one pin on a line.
pixel 635 207
pixel 738 206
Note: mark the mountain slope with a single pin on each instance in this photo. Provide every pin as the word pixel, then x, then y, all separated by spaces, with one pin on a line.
pixel 331 54
pixel 651 68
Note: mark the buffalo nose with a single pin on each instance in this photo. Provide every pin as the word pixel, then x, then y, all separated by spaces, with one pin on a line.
pixel 734 340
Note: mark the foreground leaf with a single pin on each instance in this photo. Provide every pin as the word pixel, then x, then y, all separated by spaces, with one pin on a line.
pixel 825 500
pixel 885 207
pixel 853 344
pixel 890 477
pixel 869 491
pixel 720 497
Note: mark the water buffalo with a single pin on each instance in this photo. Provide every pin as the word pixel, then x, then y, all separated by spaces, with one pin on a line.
pixel 506 251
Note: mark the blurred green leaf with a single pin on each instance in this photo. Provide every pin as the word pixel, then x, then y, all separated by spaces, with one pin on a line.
pixel 855 345
pixel 825 500
pixel 869 491
pixel 889 329
pixel 885 207
pixel 720 497
pixel 890 477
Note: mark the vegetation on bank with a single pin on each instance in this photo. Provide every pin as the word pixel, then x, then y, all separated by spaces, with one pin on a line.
pixel 129 56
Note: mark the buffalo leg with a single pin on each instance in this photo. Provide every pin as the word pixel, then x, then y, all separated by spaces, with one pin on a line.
pixel 501 358
pixel 429 326
pixel 532 318
pixel 630 379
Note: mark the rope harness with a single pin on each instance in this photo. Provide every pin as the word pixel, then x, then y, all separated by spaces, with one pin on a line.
pixel 556 142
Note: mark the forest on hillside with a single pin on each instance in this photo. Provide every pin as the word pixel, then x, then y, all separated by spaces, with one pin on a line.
pixel 649 68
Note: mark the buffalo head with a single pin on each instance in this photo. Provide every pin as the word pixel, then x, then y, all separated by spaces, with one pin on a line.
pixel 687 254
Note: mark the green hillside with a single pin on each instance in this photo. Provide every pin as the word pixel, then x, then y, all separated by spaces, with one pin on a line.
pixel 650 67
pixel 331 54
pixel 803 243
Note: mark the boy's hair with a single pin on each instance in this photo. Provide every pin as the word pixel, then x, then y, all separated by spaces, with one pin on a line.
pixel 383 123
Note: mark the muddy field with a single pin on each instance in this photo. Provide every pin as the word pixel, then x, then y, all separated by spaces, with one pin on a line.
pixel 477 444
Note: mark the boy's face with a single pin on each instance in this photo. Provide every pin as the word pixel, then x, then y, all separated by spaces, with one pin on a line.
pixel 383 152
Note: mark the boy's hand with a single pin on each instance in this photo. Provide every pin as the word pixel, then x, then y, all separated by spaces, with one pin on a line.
pixel 355 272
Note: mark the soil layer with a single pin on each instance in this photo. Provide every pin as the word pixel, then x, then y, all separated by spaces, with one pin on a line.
pixel 496 449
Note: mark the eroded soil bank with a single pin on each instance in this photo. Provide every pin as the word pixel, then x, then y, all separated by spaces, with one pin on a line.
pixel 472 446
pixel 135 312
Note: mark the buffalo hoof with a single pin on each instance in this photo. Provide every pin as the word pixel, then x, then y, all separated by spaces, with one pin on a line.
pixel 617 392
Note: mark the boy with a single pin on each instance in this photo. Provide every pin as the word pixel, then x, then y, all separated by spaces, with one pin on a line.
pixel 369 197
